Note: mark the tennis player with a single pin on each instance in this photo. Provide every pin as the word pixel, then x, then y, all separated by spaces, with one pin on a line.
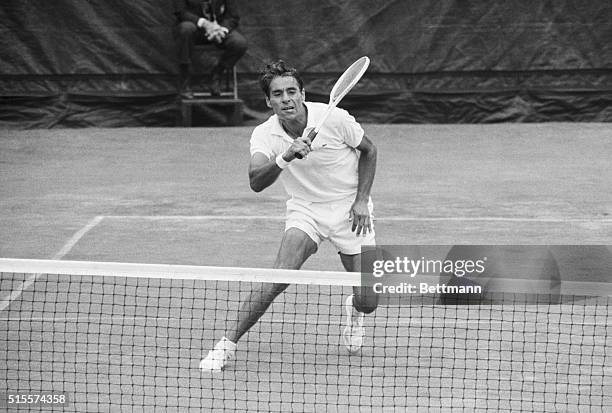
pixel 329 190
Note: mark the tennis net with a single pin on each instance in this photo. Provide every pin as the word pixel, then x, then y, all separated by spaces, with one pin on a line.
pixel 129 337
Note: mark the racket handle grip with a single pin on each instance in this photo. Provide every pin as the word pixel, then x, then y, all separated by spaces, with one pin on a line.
pixel 311 135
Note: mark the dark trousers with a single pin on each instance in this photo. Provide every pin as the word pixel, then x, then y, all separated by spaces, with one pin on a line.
pixel 234 45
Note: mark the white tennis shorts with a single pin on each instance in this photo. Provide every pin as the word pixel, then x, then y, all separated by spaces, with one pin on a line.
pixel 329 221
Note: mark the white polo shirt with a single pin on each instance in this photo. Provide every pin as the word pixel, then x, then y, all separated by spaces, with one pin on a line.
pixel 329 172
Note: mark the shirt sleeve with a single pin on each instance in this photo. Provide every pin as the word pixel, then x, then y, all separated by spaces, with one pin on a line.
pixel 183 13
pixel 349 129
pixel 259 144
pixel 230 16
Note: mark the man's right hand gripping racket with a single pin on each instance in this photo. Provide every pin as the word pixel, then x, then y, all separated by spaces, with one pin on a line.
pixel 343 85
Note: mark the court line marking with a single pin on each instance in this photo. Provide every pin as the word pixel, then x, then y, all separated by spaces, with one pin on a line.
pixel 389 218
pixel 76 237
pixel 72 241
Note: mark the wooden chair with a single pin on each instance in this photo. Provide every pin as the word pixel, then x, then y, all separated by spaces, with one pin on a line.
pixel 201 95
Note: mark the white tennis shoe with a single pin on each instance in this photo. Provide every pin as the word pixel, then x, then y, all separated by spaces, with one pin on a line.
pixel 353 333
pixel 218 358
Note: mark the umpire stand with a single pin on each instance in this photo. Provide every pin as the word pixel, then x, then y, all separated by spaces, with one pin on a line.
pixel 226 108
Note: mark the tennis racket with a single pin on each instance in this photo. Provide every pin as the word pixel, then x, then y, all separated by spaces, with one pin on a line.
pixel 343 85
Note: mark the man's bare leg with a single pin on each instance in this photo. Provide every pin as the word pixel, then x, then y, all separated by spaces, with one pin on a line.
pixel 296 246
pixel 366 300
pixel 294 250
pixel 363 301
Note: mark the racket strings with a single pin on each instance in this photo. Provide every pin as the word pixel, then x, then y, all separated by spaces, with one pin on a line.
pixel 349 78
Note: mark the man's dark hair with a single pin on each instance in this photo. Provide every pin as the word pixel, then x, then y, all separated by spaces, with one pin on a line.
pixel 274 69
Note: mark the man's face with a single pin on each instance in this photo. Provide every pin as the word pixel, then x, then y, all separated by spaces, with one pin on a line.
pixel 286 99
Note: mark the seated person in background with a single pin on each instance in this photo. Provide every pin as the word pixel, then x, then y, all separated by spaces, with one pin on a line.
pixel 207 22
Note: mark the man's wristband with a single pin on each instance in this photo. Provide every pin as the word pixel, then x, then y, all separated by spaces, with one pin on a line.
pixel 281 162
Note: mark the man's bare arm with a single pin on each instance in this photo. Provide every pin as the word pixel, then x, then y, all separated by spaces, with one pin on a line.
pixel 366 168
pixel 360 213
pixel 263 171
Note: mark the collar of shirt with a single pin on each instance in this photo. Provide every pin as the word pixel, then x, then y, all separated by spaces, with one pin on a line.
pixel 277 128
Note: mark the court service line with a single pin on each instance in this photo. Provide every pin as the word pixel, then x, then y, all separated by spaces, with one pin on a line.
pixel 72 241
pixel 383 219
